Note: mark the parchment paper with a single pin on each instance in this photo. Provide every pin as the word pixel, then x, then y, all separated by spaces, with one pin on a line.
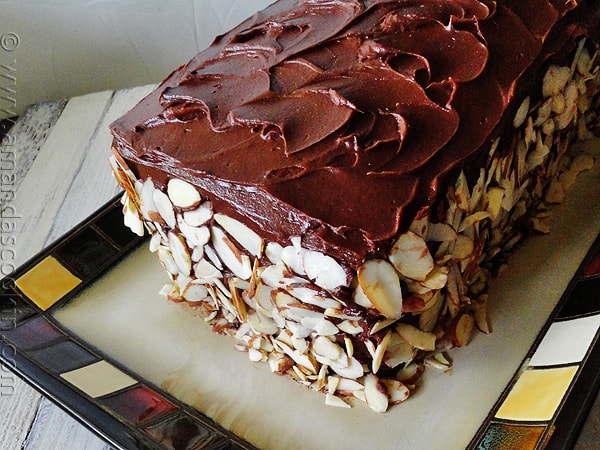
pixel 124 316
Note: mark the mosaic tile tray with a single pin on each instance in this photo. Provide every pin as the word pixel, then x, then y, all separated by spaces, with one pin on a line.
pixel 543 405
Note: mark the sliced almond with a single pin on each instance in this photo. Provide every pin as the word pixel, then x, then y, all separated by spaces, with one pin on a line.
pixel 463 247
pixel 437 278
pixel 229 255
pixel 352 370
pixel 461 193
pixel 380 283
pixel 440 232
pixel 164 207
pixel 323 270
pixel 195 292
pixel 420 339
pixel 132 218
pixel 247 238
pixel 380 351
pixel 398 352
pixel 350 327
pixel 376 394
pixel 180 253
pixel 326 348
pixel 397 391
pixel 166 259
pixel 410 256
pixel 460 330
pixel 199 216
pixel 411 373
pixel 182 193
pixel 333 400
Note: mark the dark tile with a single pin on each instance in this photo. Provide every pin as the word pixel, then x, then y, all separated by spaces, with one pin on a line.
pixel 138 405
pixel 63 357
pixel 583 300
pixel 112 225
pixel 593 266
pixel 184 433
pixel 33 333
pixel 86 252
pixel 13 310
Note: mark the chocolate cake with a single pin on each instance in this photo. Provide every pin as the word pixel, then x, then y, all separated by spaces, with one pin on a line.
pixel 332 182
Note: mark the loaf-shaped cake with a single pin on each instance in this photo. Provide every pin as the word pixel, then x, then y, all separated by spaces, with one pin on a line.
pixel 332 183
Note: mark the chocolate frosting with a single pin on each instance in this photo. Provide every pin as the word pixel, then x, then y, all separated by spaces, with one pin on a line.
pixel 338 120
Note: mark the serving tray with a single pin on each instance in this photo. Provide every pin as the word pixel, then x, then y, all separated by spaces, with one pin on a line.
pixel 83 322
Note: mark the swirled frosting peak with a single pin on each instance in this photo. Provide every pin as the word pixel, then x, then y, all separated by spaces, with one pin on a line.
pixel 330 118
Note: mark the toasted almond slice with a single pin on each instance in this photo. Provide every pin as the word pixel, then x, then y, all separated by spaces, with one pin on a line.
pixel 180 253
pixel 311 297
pixel 166 259
pixel 352 370
pixel 398 352
pixel 292 256
pixel 360 298
pixel 380 351
pixel 521 113
pixel 349 346
pixel 376 394
pixel 182 193
pixel 164 207
pixel 420 225
pixel 495 196
pixel 480 314
pixel 460 329
pixel 325 327
pixel 555 79
pixel 195 292
pixel 238 263
pixel 437 278
pixel 461 193
pixel 199 216
pixel 410 256
pixel 463 247
pixel 332 384
pixel 206 272
pixel 380 283
pixel 323 270
pixel 440 232
pixel 473 219
pixel 273 252
pixel 262 324
pixel 146 199
pixel 411 373
pixel 279 363
pixel 428 319
pixel 381 324
pixel 247 238
pixel 397 391
pixel 326 348
pixel 333 400
pixel 347 385
pixel 350 327
pixel 438 365
pixel 132 218
pixel 420 339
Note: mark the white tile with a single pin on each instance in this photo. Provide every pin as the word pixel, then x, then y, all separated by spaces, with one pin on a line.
pixel 566 342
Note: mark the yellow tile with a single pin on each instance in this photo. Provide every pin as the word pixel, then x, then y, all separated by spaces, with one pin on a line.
pixel 99 379
pixel 47 282
pixel 537 394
